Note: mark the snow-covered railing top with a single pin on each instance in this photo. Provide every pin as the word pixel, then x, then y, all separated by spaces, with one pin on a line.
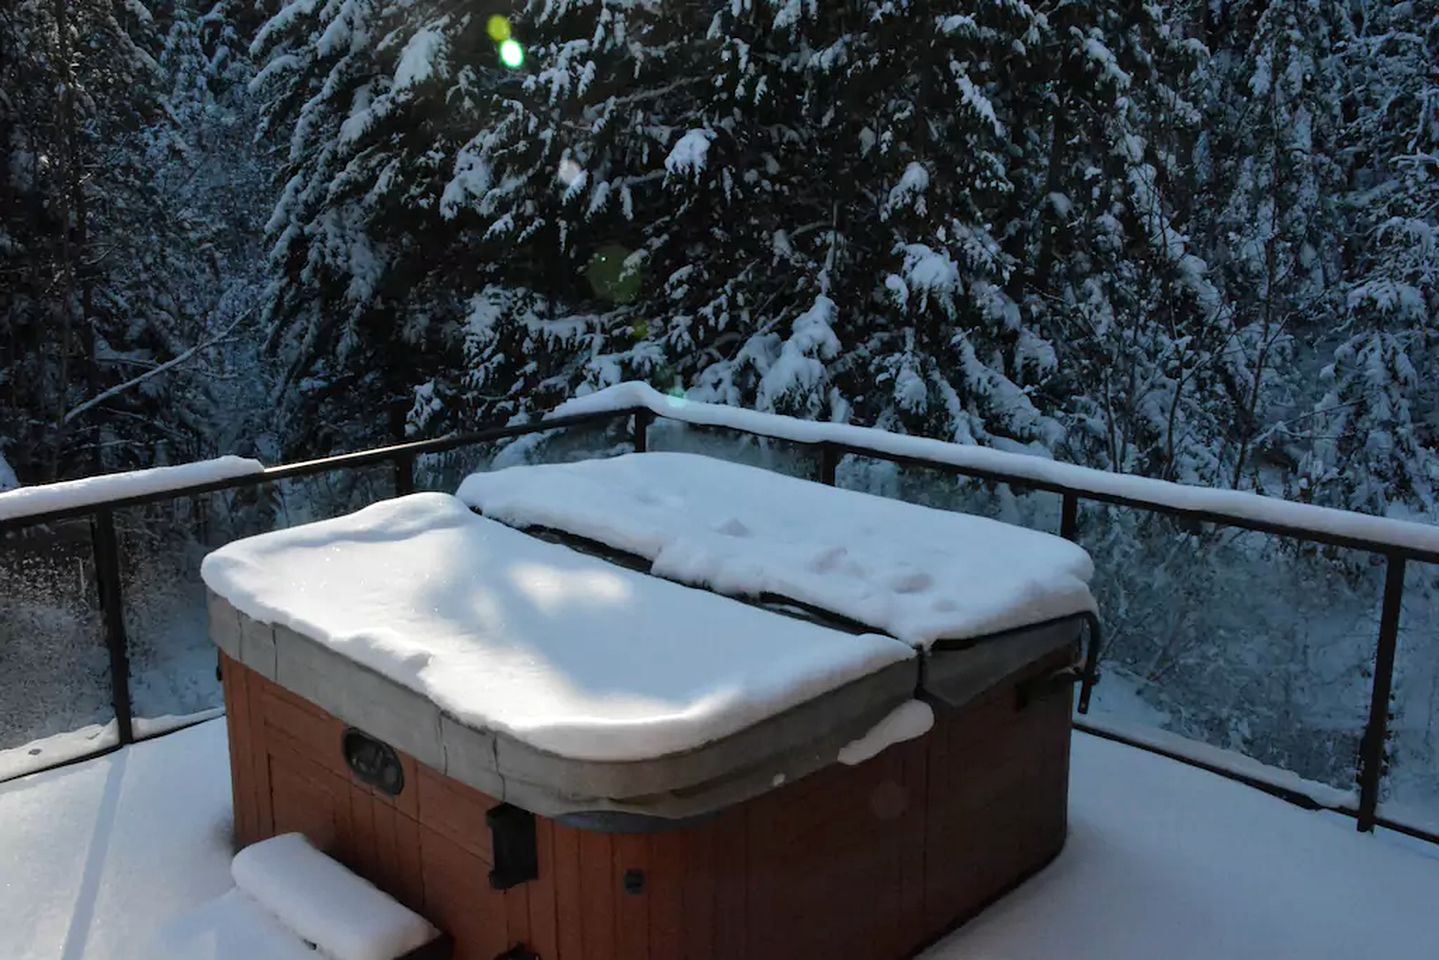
pixel 45 498
pixel 1233 507
pixel 44 508
pixel 1418 541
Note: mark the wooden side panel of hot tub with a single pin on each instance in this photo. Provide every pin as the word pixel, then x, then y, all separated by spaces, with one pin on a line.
pixel 867 862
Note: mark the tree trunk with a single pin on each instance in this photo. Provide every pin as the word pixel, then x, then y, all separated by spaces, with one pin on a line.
pixel 65 179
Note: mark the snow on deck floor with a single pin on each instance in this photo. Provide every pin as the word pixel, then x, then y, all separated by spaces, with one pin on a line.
pixel 1163 861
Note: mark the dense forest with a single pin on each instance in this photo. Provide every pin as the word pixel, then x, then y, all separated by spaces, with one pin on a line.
pixel 1192 240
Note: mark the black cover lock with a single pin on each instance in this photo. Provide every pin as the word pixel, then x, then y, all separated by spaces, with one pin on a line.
pixel 373 762
pixel 512 838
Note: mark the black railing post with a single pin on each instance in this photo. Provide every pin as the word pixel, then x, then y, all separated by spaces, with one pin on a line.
pixel 107 578
pixel 642 430
pixel 1069 530
pixel 1069 516
pixel 828 463
pixel 404 474
pixel 1090 672
pixel 1376 733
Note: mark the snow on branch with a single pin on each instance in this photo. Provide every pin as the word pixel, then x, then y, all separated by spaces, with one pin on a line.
pixel 173 362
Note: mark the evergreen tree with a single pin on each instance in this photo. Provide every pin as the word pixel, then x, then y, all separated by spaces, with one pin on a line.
pixel 1375 433
pixel 1271 218
pixel 106 305
pixel 77 81
pixel 1110 273
pixel 806 210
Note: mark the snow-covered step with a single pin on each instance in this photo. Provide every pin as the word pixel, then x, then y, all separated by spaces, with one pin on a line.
pixel 292 901
pixel 230 927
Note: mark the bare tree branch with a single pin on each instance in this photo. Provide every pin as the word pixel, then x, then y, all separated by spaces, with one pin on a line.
pixel 156 371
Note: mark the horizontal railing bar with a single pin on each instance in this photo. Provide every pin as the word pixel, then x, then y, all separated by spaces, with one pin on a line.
pixel 342 461
pixel 1152 506
pixel 1296 797
pixel 1140 503
pixel 414 448
pixel 1417 833
pixel 95 754
pixel 205 717
pixel 110 748
pixel 1275 790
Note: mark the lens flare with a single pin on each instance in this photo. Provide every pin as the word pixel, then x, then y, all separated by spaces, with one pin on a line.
pixel 498 28
pixel 512 54
pixel 613 279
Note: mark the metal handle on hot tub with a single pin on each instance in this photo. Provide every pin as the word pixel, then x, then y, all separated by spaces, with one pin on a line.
pixel 1046 685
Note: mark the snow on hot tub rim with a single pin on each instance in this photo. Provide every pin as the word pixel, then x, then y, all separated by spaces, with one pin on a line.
pixel 901 568
pixel 351 584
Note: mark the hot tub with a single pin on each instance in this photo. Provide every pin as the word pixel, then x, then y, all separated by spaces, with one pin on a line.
pixel 616 733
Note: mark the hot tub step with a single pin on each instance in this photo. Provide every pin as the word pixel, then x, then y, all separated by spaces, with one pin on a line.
pixel 291 902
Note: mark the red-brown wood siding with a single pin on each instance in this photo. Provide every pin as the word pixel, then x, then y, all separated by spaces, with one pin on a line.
pixel 866 862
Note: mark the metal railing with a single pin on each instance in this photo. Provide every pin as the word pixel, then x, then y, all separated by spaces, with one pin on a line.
pixel 403 457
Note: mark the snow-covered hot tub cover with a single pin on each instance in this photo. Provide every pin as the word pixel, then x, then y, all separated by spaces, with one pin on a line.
pixel 919 574
pixel 541 674
pixel 562 650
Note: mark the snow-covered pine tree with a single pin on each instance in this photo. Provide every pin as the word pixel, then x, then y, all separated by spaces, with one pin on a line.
pixel 372 101
pixel 1375 430
pixel 765 203
pixel 211 185
pixel 77 315
pixel 1270 218
pixel 862 150
pixel 1110 276
pixel 562 189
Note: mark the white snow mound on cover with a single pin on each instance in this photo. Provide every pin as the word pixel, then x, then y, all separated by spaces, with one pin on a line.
pixel 904 722
pixel 563 651
pixel 918 573
pixel 42 498
pixel 1240 503
pixel 346 916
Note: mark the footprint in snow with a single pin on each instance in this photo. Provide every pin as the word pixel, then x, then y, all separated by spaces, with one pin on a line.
pixel 733 527
pixel 827 560
pixel 912 581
